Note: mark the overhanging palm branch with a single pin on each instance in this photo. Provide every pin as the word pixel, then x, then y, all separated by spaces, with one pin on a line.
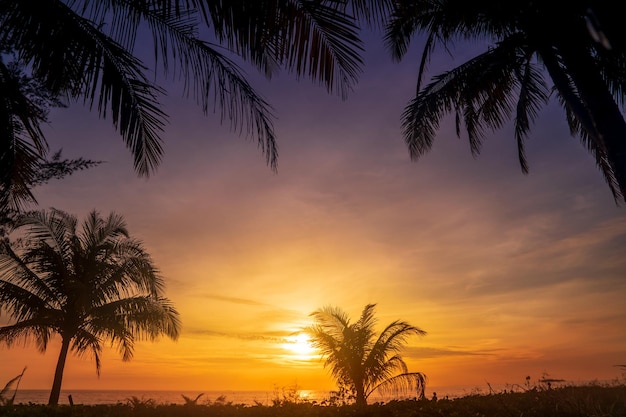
pixel 316 39
pixel 585 67
pixel 310 37
pixel 87 51
pixel 579 120
pixel 482 93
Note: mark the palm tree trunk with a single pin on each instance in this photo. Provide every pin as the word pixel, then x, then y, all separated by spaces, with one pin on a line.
pixel 58 373
pixel 361 401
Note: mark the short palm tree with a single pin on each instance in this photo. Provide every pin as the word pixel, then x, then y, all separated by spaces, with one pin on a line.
pixel 94 52
pixel 359 360
pixel 578 46
pixel 87 286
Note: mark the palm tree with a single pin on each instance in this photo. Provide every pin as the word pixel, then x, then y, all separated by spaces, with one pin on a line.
pixel 360 361
pixel 85 285
pixel 578 46
pixel 88 51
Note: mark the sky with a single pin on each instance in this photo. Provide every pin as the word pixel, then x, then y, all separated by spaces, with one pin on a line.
pixel 510 275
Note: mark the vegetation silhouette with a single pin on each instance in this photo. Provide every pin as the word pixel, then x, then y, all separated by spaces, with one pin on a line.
pixel 191 401
pixel 360 361
pixel 89 52
pixel 13 384
pixel 568 401
pixel 24 105
pixel 87 286
pixel 579 47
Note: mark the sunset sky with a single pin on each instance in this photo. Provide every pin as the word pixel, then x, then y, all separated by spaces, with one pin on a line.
pixel 510 274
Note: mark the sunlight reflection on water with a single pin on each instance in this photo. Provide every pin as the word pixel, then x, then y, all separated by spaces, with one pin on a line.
pixel 91 397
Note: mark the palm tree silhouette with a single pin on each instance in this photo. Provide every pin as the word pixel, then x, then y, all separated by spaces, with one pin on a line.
pixel 86 286
pixel 578 46
pixel 90 52
pixel 360 361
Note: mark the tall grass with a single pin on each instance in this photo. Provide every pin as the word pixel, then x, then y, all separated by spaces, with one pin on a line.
pixel 12 385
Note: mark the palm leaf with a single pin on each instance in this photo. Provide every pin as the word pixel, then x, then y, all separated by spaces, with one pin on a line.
pixel 579 120
pixel 482 91
pixel 73 57
pixel 22 144
pixel 309 37
pixel 404 384
pixel 14 382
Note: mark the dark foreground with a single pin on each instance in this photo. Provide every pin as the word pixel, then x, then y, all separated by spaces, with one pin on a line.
pixel 591 401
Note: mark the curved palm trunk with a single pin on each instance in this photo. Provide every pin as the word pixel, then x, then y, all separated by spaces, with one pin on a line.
pixel 58 373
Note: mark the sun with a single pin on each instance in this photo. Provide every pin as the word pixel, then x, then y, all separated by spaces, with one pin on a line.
pixel 300 344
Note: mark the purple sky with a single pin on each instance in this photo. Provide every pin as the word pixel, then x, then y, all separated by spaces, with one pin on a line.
pixel 510 274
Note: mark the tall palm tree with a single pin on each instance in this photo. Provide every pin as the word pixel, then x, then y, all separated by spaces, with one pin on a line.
pixel 578 46
pixel 87 286
pixel 89 51
pixel 359 360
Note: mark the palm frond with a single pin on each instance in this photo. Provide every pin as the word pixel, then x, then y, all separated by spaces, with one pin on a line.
pixel 402 26
pixel 374 13
pixel 407 384
pixel 21 285
pixel 482 90
pixel 144 317
pixel 13 384
pixel 24 304
pixel 49 228
pixel 309 37
pixel 213 79
pixel 73 57
pixel 533 93
pixel 27 331
pixel 22 143
pixel 89 344
pixel 579 119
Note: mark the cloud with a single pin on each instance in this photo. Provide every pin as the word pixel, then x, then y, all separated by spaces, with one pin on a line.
pixel 438 352
pixel 232 300
pixel 272 337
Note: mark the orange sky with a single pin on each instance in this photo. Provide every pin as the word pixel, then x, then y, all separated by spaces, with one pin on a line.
pixel 510 275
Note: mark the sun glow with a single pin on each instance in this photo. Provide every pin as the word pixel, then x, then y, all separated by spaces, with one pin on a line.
pixel 300 345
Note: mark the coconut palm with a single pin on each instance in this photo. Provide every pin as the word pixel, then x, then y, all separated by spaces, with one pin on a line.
pixel 361 361
pixel 86 286
pixel 579 47
pixel 93 52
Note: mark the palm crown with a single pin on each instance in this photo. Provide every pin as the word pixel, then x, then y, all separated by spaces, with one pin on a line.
pixel 86 286
pixel 359 359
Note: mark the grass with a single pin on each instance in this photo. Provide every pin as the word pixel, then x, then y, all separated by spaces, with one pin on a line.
pixel 568 401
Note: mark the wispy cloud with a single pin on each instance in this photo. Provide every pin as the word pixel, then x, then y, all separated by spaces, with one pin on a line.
pixel 438 352
pixel 232 300
pixel 272 337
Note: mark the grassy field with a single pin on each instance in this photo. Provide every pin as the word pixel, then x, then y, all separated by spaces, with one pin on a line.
pixel 569 401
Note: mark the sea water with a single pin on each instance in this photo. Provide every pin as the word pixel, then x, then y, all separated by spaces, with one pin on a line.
pixel 92 397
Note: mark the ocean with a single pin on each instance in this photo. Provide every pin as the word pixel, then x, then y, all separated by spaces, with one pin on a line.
pixel 92 397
